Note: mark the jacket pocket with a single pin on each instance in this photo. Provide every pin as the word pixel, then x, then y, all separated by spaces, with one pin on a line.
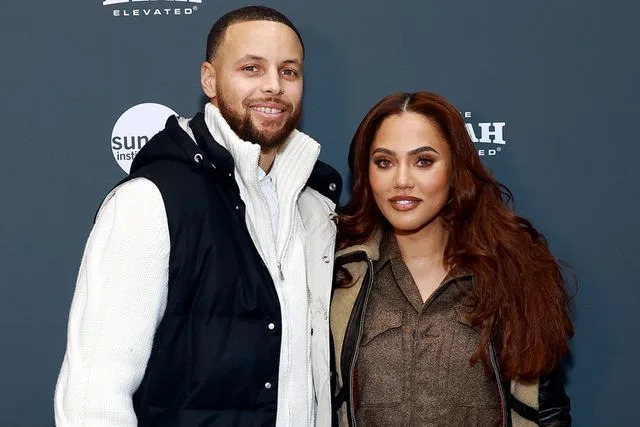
pixel 379 324
pixel 379 378
pixel 469 385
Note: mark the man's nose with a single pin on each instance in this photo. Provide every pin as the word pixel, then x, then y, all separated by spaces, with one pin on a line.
pixel 271 83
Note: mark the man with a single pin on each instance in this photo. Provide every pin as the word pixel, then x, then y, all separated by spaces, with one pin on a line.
pixel 203 293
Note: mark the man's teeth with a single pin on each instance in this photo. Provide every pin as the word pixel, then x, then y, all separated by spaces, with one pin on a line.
pixel 267 110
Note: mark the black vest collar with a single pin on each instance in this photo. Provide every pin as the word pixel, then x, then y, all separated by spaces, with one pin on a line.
pixel 324 178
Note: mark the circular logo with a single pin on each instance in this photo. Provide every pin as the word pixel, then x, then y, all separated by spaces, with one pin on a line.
pixel 135 128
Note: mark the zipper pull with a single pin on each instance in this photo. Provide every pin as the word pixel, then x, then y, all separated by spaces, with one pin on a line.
pixel 280 271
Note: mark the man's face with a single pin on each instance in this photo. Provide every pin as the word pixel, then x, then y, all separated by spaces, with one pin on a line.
pixel 257 79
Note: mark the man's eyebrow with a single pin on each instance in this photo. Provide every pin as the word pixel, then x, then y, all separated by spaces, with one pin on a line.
pixel 292 61
pixel 250 57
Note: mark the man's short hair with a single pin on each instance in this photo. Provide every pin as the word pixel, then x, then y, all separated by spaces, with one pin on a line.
pixel 244 14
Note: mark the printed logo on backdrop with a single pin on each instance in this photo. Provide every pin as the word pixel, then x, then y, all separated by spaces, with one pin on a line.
pixel 488 136
pixel 135 128
pixel 141 8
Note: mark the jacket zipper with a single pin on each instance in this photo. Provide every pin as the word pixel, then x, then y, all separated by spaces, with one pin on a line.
pixel 281 295
pixel 281 276
pixel 280 270
pixel 506 419
pixel 310 372
pixel 357 349
pixel 285 248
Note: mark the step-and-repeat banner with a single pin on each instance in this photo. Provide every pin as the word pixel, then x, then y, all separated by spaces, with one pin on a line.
pixel 548 90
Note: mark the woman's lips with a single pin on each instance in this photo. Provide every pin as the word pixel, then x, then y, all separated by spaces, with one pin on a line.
pixel 404 203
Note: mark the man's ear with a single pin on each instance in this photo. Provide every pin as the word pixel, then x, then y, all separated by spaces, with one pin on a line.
pixel 208 79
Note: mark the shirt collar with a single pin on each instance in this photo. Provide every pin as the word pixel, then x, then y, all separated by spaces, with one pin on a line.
pixel 389 250
pixel 262 175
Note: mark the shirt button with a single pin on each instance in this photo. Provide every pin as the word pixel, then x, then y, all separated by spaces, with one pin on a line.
pixel 271 326
pixel 267 385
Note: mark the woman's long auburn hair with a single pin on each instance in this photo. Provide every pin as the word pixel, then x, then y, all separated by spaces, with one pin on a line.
pixel 520 302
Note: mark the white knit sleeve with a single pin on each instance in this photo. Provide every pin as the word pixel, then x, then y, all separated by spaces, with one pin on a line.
pixel 119 300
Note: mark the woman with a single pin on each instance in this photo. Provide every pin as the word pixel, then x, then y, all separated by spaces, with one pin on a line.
pixel 449 309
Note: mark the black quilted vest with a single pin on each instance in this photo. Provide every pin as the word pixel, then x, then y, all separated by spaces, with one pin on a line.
pixel 215 354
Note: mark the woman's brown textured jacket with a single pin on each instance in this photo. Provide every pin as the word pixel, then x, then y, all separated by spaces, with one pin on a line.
pixel 542 402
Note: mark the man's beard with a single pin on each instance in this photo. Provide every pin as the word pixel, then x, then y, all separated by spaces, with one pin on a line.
pixel 246 130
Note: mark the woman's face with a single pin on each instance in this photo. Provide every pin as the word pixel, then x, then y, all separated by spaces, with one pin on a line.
pixel 409 171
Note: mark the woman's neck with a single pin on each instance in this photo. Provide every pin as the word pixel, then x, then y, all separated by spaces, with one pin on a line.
pixel 426 245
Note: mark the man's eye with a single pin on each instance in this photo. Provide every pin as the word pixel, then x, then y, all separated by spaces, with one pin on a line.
pixel 289 72
pixel 250 68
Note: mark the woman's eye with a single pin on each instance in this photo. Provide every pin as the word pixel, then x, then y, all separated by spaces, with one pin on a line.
pixel 424 162
pixel 382 163
pixel 250 68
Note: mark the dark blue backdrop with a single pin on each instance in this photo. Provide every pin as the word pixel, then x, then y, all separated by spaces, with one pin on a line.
pixel 560 75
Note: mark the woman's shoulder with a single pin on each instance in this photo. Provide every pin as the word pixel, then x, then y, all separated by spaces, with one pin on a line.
pixel 369 248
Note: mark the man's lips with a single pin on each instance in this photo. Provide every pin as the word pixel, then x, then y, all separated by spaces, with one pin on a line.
pixel 404 203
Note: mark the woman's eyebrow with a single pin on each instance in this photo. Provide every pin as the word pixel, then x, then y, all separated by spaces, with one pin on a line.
pixel 384 151
pixel 422 150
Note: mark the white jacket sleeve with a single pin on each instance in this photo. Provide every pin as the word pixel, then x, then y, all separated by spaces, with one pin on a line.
pixel 119 300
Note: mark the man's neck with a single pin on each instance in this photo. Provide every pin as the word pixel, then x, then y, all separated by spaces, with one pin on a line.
pixel 266 159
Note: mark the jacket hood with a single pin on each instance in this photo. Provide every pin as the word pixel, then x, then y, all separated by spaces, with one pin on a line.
pixel 174 144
